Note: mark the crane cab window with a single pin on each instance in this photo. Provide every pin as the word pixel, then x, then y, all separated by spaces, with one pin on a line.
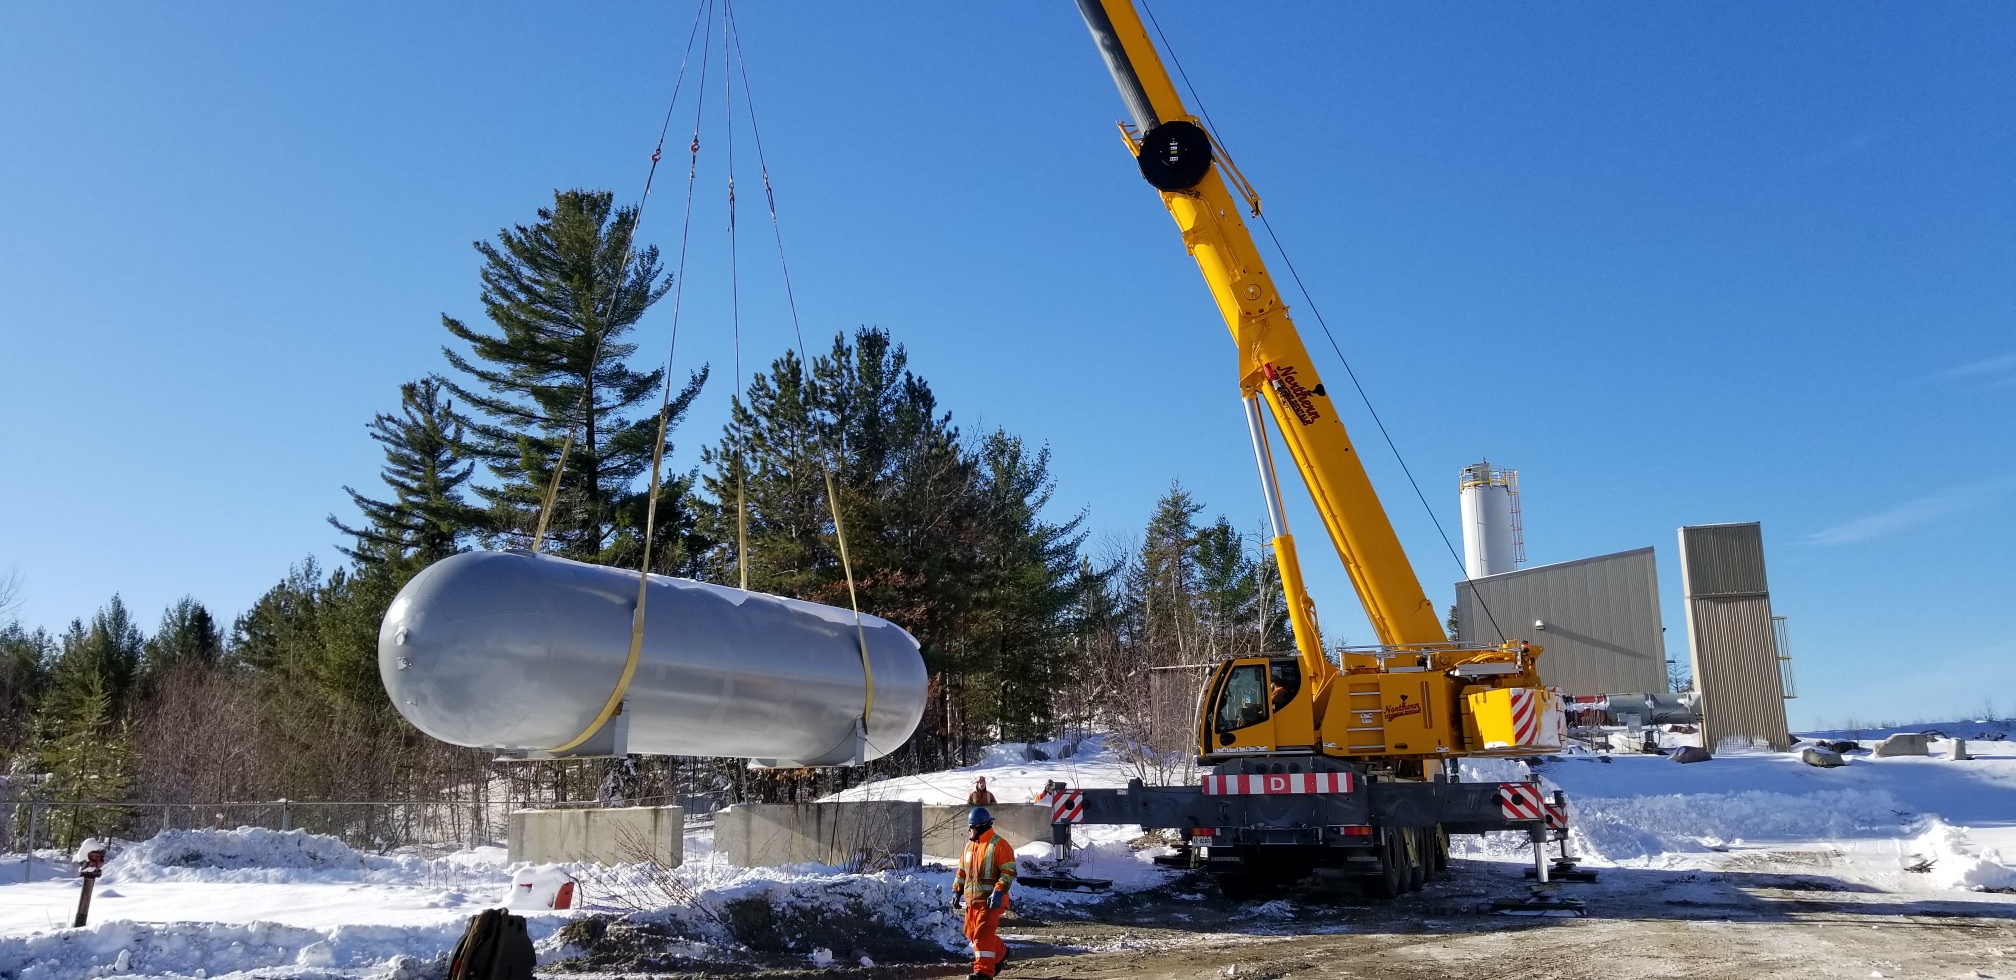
pixel 1283 680
pixel 1243 699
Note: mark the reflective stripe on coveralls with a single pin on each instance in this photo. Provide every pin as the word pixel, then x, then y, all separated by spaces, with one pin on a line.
pixel 987 865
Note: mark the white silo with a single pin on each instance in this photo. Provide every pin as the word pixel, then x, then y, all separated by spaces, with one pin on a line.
pixel 1492 539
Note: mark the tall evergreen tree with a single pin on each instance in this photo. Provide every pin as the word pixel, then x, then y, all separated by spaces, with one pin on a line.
pixel 1164 582
pixel 563 293
pixel 265 638
pixel 106 653
pixel 426 465
pixel 24 672
pixel 1031 584
pixel 86 748
pixel 906 489
pixel 188 637
pixel 81 740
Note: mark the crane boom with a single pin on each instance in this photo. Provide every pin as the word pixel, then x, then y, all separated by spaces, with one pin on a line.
pixel 1177 156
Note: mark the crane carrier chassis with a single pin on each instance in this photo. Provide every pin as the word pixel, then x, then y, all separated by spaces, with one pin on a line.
pixel 1252 823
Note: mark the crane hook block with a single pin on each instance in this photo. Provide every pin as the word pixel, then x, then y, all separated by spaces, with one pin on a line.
pixel 1175 156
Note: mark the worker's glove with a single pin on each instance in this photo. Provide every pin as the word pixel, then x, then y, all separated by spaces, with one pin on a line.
pixel 994 899
pixel 958 900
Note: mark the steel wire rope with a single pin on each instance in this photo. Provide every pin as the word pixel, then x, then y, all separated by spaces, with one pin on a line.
pixel 629 247
pixel 735 314
pixel 609 708
pixel 734 33
pixel 1334 346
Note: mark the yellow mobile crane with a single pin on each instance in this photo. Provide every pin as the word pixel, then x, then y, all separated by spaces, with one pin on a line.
pixel 1351 761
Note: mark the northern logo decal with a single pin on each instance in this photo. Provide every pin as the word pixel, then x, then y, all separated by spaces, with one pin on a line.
pixel 1291 393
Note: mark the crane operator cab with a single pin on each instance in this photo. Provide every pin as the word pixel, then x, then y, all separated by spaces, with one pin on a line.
pixel 1257 705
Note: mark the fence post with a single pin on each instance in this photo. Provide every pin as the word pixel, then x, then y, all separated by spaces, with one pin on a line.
pixel 286 815
pixel 34 820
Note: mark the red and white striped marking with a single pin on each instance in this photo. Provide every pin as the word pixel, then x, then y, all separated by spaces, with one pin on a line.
pixel 1293 782
pixel 1520 801
pixel 1525 716
pixel 1067 807
pixel 1557 816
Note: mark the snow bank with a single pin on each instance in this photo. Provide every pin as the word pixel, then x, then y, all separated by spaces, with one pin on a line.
pixel 249 855
pixel 1638 827
pixel 1947 855
pixel 200 948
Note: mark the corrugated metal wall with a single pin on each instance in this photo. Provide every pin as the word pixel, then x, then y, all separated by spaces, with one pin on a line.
pixel 1729 632
pixel 1604 634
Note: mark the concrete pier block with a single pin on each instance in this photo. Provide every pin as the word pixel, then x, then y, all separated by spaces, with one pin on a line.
pixel 1903 743
pixel 865 835
pixel 1824 758
pixel 601 835
pixel 1020 823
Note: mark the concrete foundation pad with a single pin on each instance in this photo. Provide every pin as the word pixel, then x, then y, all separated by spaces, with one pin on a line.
pixel 1824 758
pixel 867 835
pixel 601 835
pixel 1020 823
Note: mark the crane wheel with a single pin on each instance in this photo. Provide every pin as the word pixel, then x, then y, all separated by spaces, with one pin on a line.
pixel 1391 881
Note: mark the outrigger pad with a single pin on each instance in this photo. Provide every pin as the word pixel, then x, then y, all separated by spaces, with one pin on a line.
pixel 1539 906
pixel 1566 872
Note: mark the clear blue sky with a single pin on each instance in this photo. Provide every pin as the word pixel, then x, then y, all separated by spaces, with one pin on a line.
pixel 1678 263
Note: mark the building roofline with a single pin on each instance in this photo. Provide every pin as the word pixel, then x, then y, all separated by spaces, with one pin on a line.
pixel 1515 573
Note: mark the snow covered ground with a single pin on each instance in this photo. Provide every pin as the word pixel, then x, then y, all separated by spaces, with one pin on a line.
pixel 1914 825
pixel 262 903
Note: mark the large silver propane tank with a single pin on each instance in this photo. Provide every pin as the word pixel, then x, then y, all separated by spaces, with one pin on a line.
pixel 517 652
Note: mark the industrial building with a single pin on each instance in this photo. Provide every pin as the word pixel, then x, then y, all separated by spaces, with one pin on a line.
pixel 1597 618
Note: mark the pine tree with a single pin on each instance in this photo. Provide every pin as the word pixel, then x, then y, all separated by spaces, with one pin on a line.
pixel 946 537
pixel 562 293
pixel 105 653
pixel 24 672
pixel 81 739
pixel 188 637
pixel 1164 582
pixel 906 490
pixel 268 637
pixel 87 751
pixel 1031 583
pixel 426 465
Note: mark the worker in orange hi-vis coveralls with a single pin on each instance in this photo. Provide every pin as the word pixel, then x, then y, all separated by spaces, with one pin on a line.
pixel 985 872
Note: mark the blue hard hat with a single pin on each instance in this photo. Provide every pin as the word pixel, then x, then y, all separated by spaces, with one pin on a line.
pixel 979 817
